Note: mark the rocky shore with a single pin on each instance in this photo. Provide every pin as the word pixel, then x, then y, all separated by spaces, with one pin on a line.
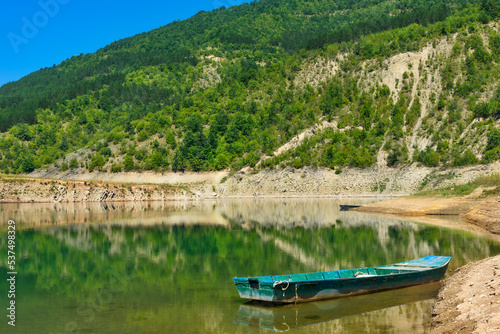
pixel 32 190
pixel 77 185
pixel 469 300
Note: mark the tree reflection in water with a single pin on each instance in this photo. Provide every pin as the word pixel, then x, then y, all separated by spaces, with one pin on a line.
pixel 174 264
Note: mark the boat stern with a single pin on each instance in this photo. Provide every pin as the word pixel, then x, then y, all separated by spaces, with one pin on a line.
pixel 259 288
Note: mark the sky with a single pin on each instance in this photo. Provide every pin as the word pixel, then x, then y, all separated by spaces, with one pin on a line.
pixel 40 33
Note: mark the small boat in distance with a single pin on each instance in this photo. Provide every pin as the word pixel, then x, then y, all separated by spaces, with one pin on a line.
pixel 347 207
pixel 333 284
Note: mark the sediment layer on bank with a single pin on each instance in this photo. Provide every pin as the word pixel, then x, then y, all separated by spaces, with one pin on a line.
pixel 291 182
pixel 32 190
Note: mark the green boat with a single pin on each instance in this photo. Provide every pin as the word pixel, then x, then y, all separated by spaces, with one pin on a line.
pixel 295 288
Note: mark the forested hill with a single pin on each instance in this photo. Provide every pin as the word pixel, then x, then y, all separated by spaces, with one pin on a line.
pixel 382 82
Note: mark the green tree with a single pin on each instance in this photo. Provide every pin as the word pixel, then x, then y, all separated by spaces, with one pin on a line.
pixel 73 163
pixel 468 158
pixel 28 164
pixel 64 146
pixel 333 99
pixel 128 163
pixel 493 139
pixel 429 157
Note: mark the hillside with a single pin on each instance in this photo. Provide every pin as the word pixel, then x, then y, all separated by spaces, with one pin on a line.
pixel 272 83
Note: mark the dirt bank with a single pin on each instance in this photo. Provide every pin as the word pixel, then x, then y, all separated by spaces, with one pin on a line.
pixel 373 181
pixel 410 206
pixel 485 215
pixel 482 212
pixel 145 177
pixel 33 190
pixel 469 300
pixel 290 182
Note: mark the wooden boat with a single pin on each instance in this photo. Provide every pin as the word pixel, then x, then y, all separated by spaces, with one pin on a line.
pixel 332 284
pixel 346 207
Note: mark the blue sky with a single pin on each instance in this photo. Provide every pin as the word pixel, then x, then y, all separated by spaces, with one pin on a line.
pixel 39 33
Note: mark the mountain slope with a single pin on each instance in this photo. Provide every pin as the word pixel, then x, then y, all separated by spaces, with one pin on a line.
pixel 229 87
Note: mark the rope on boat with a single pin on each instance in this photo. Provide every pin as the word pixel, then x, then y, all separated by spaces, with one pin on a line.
pixel 283 288
pixel 282 282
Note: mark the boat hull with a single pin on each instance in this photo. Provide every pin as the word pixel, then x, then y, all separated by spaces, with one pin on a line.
pixel 325 285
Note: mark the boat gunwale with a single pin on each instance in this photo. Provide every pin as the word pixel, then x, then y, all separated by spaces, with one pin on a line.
pixel 264 281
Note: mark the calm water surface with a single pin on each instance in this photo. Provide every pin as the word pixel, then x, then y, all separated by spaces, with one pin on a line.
pixel 168 267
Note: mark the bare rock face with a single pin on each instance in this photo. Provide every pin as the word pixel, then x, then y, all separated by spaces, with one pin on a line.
pixel 469 301
pixel 59 191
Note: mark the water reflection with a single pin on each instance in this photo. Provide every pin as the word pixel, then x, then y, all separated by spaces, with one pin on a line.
pixel 287 317
pixel 168 267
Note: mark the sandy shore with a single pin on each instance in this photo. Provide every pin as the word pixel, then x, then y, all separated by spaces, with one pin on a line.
pixel 482 212
pixel 469 300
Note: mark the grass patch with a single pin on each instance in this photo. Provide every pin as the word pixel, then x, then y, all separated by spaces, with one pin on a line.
pixel 489 181
pixel 14 178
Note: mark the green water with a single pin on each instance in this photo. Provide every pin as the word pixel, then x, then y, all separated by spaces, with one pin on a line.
pixel 168 268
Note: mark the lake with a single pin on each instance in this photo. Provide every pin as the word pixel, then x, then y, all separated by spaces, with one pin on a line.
pixel 167 267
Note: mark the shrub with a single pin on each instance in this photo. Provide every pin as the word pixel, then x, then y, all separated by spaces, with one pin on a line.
pixel 429 157
pixel 482 110
pixel 155 161
pixel 105 151
pixel 97 161
pixel 115 168
pixel 28 165
pixel 142 135
pixel 493 139
pixel 128 163
pixel 468 158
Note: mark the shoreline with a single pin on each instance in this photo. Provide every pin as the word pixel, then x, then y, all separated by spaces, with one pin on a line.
pixel 481 212
pixel 467 302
